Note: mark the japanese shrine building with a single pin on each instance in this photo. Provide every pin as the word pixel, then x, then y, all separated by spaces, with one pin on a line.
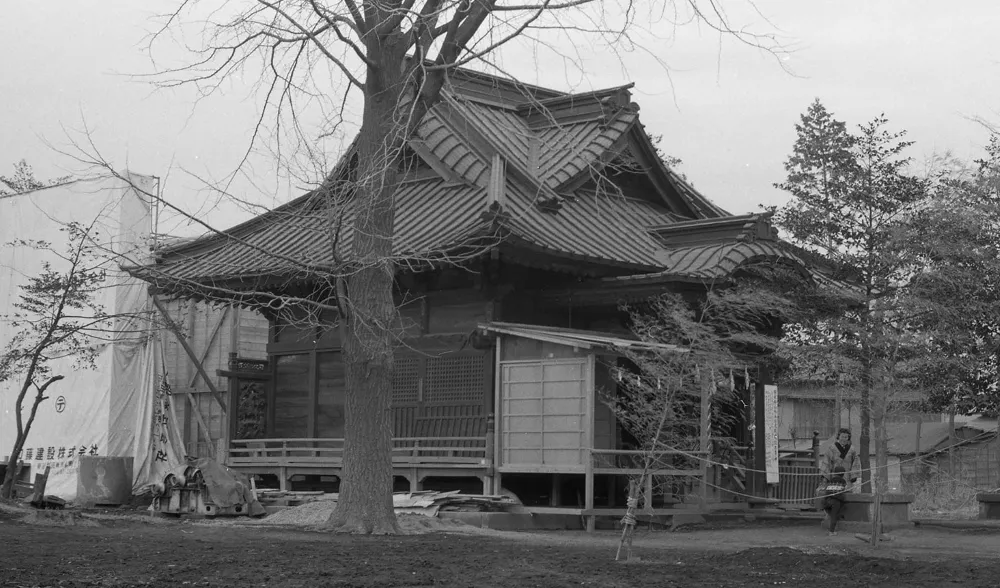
pixel 526 218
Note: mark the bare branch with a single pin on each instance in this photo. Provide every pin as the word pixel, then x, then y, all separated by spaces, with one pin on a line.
pixel 312 35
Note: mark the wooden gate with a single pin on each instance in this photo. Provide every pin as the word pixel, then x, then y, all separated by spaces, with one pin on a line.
pixel 797 483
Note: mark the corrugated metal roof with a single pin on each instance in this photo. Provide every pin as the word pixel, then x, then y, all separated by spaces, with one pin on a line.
pixel 504 128
pixel 901 438
pixel 452 150
pixel 435 214
pixel 581 338
pixel 573 148
pixel 709 262
pixel 295 240
pixel 592 226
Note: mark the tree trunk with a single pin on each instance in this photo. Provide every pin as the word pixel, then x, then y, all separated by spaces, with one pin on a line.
pixel 864 439
pixel 23 428
pixel 879 414
pixel 6 490
pixel 365 502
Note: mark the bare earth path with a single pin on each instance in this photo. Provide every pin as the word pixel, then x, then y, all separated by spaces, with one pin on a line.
pixel 135 553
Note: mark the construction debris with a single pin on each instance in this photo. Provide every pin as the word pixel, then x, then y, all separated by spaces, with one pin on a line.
pixel 427 503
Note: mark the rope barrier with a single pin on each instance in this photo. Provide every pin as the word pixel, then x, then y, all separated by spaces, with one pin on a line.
pixel 870 470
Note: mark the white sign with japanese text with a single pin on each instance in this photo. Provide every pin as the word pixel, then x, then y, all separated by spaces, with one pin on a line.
pixel 771 433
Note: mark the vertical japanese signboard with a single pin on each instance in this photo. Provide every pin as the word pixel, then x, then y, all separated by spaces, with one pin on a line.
pixel 771 433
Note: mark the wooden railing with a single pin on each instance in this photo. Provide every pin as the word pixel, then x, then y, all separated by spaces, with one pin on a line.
pixel 406 452
pixel 633 463
pixel 797 483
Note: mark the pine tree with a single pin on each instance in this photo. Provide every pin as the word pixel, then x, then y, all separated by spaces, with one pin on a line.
pixel 852 199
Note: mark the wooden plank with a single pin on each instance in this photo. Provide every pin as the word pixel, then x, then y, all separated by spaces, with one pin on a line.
pixel 201 421
pixel 38 491
pixel 208 345
pixel 187 349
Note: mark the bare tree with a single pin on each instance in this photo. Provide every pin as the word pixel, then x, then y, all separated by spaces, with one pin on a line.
pixel 397 55
pixel 59 315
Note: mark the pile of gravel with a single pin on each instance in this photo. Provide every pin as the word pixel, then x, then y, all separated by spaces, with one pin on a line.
pixel 317 513
pixel 308 514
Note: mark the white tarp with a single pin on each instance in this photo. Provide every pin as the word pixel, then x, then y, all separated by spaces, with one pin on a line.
pixel 104 411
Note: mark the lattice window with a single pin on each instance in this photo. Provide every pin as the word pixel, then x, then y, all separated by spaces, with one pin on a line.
pixel 455 379
pixel 406 381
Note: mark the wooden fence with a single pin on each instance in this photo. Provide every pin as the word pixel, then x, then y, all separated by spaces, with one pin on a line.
pixel 407 452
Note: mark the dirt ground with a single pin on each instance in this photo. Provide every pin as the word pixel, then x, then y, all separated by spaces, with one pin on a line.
pixel 138 551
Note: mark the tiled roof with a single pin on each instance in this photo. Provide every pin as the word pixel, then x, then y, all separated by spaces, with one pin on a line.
pixel 294 240
pixel 543 158
pixel 503 127
pixel 901 438
pixel 589 226
pixel 574 148
pixel 703 263
pixel 718 261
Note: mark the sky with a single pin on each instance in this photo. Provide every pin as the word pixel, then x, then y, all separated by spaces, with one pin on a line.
pixel 727 110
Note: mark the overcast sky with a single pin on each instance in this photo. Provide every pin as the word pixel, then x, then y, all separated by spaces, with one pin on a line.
pixel 728 111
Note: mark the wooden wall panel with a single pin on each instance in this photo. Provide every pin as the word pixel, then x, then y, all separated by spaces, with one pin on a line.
pixel 518 348
pixel 458 316
pixel 605 429
pixel 404 421
pixel 330 396
pixel 242 331
pixel 292 412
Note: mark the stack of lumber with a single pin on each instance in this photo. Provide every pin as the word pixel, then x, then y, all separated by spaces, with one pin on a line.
pixel 288 498
pixel 427 502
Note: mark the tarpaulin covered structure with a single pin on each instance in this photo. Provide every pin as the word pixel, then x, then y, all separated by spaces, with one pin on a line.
pixel 108 410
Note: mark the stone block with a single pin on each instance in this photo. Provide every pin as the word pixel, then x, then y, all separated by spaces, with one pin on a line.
pixel 860 507
pixel 989 505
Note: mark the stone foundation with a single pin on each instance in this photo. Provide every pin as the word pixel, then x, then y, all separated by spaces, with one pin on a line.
pixel 860 507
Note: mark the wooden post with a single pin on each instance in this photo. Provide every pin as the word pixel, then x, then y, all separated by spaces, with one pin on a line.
pixel 628 526
pixel 172 325
pixel 233 384
pixel 996 441
pixel 759 437
pixel 588 482
pixel 38 490
pixel 647 501
pixel 838 407
pixel 815 448
pixel 201 421
pixel 208 344
pixel 705 436
pixel 488 484
pixel 951 441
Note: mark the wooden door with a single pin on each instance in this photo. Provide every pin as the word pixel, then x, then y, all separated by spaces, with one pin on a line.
pixel 544 415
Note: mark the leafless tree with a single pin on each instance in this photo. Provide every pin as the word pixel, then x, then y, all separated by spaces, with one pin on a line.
pixel 396 55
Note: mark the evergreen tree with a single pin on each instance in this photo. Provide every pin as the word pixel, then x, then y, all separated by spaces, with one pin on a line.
pixel 853 197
